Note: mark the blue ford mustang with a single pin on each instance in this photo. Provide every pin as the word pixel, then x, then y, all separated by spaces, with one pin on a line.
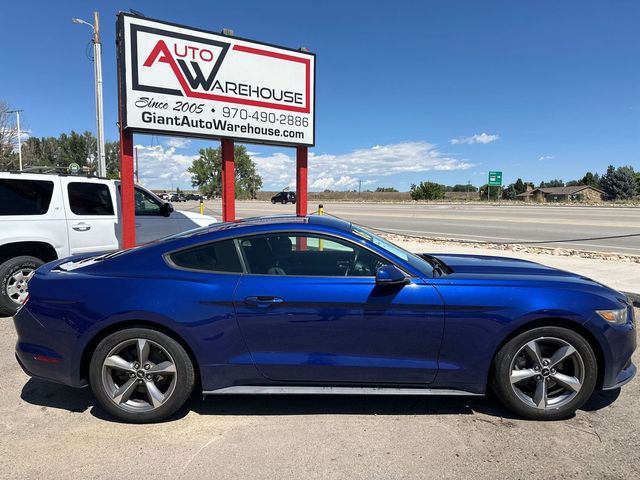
pixel 318 305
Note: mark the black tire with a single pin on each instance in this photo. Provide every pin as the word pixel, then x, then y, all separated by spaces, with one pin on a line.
pixel 284 202
pixel 273 202
pixel 293 201
pixel 8 305
pixel 583 358
pixel 184 381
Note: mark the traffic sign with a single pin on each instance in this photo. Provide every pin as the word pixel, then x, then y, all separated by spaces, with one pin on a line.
pixel 74 168
pixel 495 179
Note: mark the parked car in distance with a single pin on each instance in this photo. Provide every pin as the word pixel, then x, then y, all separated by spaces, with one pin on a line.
pixel 312 305
pixel 177 197
pixel 44 217
pixel 192 196
pixel 284 198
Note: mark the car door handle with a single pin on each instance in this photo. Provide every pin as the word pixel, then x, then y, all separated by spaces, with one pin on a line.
pixel 262 301
pixel 81 227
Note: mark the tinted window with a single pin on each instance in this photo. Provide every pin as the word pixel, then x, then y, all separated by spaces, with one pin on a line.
pixel 308 255
pixel 214 257
pixel 25 197
pixel 90 198
pixel 146 204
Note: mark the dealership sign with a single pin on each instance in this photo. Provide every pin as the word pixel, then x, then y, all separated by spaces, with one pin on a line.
pixel 180 81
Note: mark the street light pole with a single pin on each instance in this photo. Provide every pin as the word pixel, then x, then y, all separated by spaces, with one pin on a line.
pixel 17 112
pixel 97 65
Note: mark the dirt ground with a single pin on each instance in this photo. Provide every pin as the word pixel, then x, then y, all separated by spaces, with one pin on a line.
pixel 54 432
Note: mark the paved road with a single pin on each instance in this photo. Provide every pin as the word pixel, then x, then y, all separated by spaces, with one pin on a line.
pixel 53 432
pixel 547 224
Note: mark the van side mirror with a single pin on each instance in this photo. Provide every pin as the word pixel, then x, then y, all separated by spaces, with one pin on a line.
pixel 390 275
pixel 167 208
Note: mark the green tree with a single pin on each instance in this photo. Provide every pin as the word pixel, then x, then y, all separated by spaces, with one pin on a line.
pixel 484 192
pixel 510 192
pixel 619 183
pixel 590 179
pixel 112 159
pixel 385 189
pixel 206 173
pixel 520 186
pixel 464 187
pixel 427 191
pixel 552 183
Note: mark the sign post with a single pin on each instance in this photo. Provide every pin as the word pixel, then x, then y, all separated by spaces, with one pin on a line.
pixel 495 180
pixel 178 80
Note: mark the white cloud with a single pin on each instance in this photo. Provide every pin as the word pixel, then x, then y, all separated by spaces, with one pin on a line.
pixel 546 157
pixel 178 142
pixel 161 167
pixel 483 138
pixel 341 172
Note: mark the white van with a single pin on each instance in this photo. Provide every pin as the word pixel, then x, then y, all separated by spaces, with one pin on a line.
pixel 44 217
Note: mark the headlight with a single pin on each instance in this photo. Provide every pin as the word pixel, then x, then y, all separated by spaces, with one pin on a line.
pixel 618 317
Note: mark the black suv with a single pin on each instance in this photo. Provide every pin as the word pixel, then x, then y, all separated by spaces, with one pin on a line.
pixel 284 197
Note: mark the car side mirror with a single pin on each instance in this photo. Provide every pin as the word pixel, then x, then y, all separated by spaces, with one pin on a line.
pixel 390 275
pixel 167 208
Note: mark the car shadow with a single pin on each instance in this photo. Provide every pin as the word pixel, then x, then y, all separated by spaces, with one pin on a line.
pixel 51 395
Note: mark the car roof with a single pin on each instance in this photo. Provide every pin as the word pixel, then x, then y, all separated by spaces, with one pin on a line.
pixel 282 221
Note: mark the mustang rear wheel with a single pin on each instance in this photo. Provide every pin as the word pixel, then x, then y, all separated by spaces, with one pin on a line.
pixel 140 375
pixel 546 373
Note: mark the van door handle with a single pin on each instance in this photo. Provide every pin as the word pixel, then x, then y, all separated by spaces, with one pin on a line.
pixel 81 227
pixel 262 301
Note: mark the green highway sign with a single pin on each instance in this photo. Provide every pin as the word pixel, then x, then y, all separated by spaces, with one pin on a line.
pixel 495 179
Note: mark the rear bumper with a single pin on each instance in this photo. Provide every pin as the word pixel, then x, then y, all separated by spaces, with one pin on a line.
pixel 43 353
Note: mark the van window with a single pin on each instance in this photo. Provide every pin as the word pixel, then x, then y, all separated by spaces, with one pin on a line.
pixel 25 197
pixel 90 198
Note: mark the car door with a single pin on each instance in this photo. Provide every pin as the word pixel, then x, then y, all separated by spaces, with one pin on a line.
pixel 310 311
pixel 90 215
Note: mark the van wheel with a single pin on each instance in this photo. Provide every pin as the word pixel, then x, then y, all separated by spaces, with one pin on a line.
pixel 14 275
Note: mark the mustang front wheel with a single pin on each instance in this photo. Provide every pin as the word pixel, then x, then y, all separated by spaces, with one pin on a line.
pixel 141 375
pixel 546 373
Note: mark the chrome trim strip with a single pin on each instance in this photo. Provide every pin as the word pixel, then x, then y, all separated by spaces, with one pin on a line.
pixel 307 390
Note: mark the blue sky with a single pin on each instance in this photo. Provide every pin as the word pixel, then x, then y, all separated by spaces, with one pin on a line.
pixel 406 91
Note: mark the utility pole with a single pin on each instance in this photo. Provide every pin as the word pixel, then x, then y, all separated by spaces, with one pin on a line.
pixel 97 66
pixel 359 186
pixel 17 112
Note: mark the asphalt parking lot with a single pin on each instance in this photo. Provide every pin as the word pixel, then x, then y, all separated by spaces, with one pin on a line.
pixel 50 431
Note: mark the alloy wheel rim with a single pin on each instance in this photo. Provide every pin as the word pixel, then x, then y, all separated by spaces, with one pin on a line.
pixel 139 375
pixel 547 373
pixel 17 284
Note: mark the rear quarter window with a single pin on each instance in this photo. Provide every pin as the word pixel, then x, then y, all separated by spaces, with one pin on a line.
pixel 25 197
pixel 219 256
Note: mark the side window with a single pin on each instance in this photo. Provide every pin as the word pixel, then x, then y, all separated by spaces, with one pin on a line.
pixel 146 204
pixel 213 257
pixel 87 198
pixel 25 197
pixel 308 255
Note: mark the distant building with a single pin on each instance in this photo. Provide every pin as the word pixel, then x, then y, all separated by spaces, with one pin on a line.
pixel 578 193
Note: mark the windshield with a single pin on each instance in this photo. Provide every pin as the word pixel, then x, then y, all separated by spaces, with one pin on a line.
pixel 412 259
